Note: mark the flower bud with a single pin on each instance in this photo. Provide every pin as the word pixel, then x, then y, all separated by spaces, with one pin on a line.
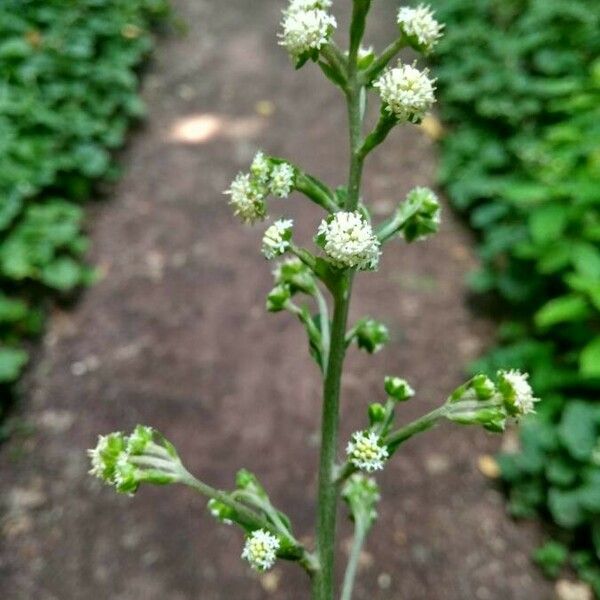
pixel 377 413
pixel 406 92
pixel 361 494
pixel 420 27
pixel 398 389
pixel 366 451
pixel 278 298
pixel 221 512
pixel 260 169
pixel 260 549
pixel 421 214
pixel 371 335
pixel 296 275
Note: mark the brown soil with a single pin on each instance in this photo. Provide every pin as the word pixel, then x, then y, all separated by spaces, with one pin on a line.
pixel 175 335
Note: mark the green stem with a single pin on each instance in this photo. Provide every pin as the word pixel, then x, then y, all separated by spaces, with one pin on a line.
pixel 394 439
pixel 360 534
pixel 328 490
pixel 327 495
pixel 382 60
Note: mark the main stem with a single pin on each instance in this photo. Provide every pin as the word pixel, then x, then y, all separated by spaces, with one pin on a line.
pixel 328 490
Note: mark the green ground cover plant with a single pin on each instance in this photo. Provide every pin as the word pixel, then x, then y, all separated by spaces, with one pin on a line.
pixel 519 85
pixel 68 93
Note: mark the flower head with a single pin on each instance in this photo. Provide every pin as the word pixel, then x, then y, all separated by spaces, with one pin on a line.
pixel 399 389
pixel 366 452
pixel 419 25
pixel 305 31
pixel 277 238
pixel 282 180
pixel 247 199
pixel 260 550
pixel 126 461
pixel 516 391
pixel 260 169
pixel 348 240
pixel 406 92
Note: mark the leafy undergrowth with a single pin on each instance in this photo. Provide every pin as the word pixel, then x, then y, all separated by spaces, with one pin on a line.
pixel 68 93
pixel 519 89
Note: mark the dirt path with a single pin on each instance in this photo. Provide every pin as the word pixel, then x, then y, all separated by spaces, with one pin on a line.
pixel 176 336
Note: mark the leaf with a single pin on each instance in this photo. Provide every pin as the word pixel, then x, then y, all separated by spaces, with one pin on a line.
pixel 589 359
pixel 571 307
pixel 566 508
pixel 578 430
pixel 12 361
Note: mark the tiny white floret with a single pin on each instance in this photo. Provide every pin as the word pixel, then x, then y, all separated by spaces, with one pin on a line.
pixel 406 92
pixel 348 240
pixel 366 452
pixel 276 240
pixel 260 550
pixel 282 180
pixel 304 5
pixel 419 23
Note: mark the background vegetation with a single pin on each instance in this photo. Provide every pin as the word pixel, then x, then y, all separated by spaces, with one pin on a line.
pixel 68 93
pixel 519 85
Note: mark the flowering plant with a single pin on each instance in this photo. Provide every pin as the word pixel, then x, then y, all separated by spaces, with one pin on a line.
pixel 347 242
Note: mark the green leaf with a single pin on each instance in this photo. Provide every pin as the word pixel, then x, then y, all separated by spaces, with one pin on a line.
pixel 578 430
pixel 589 359
pixel 571 307
pixel 12 361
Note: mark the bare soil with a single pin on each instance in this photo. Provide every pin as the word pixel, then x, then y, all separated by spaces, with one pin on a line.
pixel 176 336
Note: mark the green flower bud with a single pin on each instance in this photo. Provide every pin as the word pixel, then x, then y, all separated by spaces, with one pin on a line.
pixel 371 335
pixel 221 512
pixel 420 213
pixel 296 275
pixel 377 413
pixel 361 494
pixel 278 298
pixel 398 389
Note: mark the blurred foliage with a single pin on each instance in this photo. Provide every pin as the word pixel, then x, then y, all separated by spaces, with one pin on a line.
pixel 68 92
pixel 519 84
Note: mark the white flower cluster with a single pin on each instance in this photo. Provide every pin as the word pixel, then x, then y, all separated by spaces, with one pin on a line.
pixel 276 240
pixel 260 550
pixel 348 240
pixel 517 392
pixel 306 27
pixel 248 191
pixel 366 452
pixel 406 92
pixel 282 180
pixel 247 199
pixel 420 25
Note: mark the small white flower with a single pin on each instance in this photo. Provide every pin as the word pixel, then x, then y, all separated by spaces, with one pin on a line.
pixel 366 452
pixel 348 240
pixel 406 92
pixel 277 238
pixel 260 550
pixel 282 180
pixel 418 23
pixel 260 168
pixel 247 199
pixel 96 457
pixel 306 30
pixel 304 5
pixel 517 392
